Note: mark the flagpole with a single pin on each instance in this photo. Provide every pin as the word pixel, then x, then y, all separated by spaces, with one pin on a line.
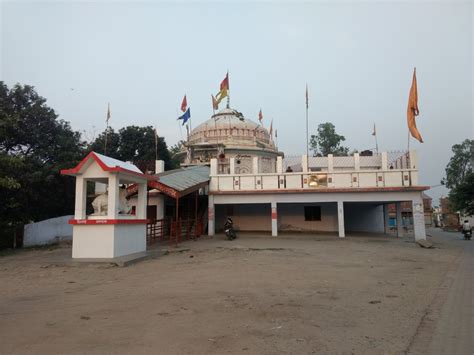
pixel 156 144
pixel 307 141
pixel 106 128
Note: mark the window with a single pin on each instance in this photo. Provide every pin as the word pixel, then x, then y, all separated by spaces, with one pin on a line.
pixel 312 213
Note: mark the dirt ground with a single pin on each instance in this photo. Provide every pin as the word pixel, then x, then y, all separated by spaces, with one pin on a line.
pixel 256 295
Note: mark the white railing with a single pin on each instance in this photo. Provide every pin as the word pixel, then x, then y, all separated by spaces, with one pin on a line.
pixel 333 177
pixel 314 181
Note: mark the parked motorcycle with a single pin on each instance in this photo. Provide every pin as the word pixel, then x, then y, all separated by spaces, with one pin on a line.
pixel 467 234
pixel 467 230
pixel 229 229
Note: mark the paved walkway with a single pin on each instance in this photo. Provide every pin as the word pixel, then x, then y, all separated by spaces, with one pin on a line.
pixel 454 332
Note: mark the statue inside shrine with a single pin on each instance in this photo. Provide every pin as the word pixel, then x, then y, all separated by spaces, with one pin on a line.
pixel 100 203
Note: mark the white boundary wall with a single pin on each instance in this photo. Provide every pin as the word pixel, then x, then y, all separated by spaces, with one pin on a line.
pixel 49 231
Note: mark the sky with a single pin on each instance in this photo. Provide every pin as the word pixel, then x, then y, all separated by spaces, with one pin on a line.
pixel 357 59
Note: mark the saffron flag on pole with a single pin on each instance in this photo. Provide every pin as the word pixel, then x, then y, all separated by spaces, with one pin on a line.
pixel 108 113
pixel 260 116
pixel 224 88
pixel 412 109
pixel 184 104
pixel 185 116
pixel 374 132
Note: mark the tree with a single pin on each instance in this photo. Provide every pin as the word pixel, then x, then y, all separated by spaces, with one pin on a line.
pixel 136 144
pixel 460 177
pixel 174 150
pixel 34 146
pixel 327 141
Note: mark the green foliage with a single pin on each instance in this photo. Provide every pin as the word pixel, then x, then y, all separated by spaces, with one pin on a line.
pixel 327 141
pixel 133 143
pixel 460 177
pixel 34 146
pixel 174 150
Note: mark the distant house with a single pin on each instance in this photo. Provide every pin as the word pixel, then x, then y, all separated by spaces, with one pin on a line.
pixel 407 212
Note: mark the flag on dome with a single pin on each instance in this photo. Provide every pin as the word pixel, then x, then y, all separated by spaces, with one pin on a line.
pixel 186 116
pixel 215 105
pixel 374 132
pixel 224 88
pixel 260 116
pixel 184 104
pixel 271 128
pixel 412 110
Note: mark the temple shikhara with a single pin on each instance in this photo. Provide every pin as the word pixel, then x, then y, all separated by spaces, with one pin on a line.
pixel 231 167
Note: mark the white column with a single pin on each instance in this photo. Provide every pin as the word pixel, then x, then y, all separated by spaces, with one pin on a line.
pixel 81 195
pixel 356 161
pixel 232 166
pixel 384 161
pixel 340 219
pixel 274 219
pixel 418 218
pixel 113 197
pixel 160 208
pixel 159 166
pixel 255 165
pixel 330 163
pixel 304 163
pixel 211 217
pixel 141 201
pixel 279 165
pixel 386 219
pixel 399 220
pixel 213 166
pixel 414 165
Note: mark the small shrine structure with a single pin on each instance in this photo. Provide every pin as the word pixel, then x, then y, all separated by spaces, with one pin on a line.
pixel 113 229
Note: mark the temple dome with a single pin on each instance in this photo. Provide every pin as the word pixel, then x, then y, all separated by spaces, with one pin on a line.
pixel 230 127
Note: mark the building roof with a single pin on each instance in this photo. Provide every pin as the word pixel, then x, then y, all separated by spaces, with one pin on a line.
pixel 184 178
pixel 107 164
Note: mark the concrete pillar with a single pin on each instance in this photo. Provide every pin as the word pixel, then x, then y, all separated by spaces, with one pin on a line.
pixel 81 198
pixel 113 197
pixel 274 220
pixel 384 161
pixel 418 218
pixel 386 219
pixel 232 166
pixel 213 166
pixel 255 165
pixel 356 161
pixel 304 163
pixel 160 208
pixel 330 163
pixel 141 201
pixel 159 166
pixel 399 220
pixel 279 165
pixel 340 219
pixel 211 217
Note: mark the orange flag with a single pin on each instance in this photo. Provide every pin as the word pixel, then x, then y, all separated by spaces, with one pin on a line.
pixel 260 116
pixel 412 109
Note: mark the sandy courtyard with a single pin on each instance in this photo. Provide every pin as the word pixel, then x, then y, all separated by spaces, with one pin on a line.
pixel 291 294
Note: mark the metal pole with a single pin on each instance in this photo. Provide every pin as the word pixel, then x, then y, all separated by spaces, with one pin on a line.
pixel 307 141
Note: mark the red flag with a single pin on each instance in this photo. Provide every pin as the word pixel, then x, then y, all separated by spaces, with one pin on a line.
pixel 260 116
pixel 184 104
pixel 225 83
